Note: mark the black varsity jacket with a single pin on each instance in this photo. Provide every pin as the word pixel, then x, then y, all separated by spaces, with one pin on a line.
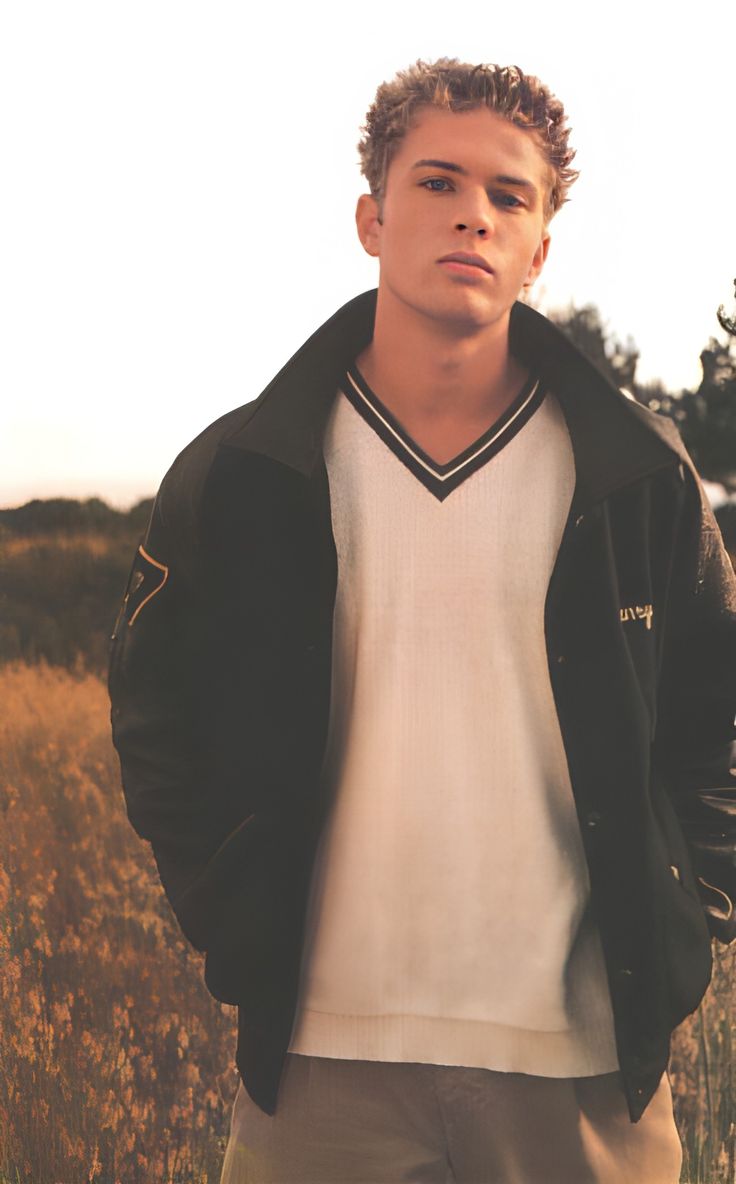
pixel 220 682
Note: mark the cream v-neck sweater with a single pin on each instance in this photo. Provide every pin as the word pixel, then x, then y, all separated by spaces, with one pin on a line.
pixel 449 918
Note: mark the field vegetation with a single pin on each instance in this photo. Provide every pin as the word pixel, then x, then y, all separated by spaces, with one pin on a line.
pixel 116 1065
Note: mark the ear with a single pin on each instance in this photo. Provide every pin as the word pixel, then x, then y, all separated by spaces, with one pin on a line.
pixel 537 263
pixel 368 222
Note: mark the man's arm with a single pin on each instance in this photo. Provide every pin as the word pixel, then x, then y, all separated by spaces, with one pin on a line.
pixel 157 685
pixel 694 742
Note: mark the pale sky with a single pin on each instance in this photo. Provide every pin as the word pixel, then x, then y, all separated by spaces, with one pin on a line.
pixel 179 187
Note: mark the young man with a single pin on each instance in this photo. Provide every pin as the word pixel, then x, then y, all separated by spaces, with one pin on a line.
pixel 424 693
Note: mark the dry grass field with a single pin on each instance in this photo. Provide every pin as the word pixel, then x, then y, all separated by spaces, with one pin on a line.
pixel 115 1062
pixel 116 1065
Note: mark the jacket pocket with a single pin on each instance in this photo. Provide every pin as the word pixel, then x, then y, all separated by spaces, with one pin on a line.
pixel 685 936
pixel 687 948
pixel 201 906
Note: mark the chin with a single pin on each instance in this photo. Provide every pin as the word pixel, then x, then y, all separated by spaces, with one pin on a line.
pixel 463 307
pixel 472 314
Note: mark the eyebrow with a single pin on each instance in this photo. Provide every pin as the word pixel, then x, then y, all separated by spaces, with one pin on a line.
pixel 450 167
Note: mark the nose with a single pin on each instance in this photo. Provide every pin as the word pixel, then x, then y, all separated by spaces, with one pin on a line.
pixel 478 214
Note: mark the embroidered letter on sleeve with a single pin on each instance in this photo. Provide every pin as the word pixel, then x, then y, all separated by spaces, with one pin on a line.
pixel 147 577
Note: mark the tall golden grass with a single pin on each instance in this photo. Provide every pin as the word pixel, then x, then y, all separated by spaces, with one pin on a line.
pixel 116 1065
pixel 703 1076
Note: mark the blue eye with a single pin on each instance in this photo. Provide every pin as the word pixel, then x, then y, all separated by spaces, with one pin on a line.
pixel 512 199
pixel 508 201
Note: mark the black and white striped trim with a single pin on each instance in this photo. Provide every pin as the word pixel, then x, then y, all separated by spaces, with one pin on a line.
pixel 441 479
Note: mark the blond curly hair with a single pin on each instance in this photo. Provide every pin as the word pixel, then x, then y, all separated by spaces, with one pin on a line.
pixel 452 85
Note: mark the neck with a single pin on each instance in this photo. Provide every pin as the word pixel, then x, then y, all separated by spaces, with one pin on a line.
pixel 425 368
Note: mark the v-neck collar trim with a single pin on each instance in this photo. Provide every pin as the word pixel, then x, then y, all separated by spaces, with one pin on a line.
pixel 441 478
pixel 615 440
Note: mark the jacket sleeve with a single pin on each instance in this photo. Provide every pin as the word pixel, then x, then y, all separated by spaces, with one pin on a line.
pixel 697 703
pixel 157 684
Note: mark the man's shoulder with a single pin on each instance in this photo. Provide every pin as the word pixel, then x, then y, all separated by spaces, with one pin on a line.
pixel 284 421
pixel 612 430
pixel 179 498
pixel 662 425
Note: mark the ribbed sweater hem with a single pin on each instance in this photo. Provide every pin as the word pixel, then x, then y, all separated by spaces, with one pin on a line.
pixel 439 1041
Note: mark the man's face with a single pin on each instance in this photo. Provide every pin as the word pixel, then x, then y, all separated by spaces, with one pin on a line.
pixel 469 182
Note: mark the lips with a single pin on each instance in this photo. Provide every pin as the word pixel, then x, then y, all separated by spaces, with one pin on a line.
pixel 464 257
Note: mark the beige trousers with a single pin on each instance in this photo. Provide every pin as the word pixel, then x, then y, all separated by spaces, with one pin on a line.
pixel 374 1122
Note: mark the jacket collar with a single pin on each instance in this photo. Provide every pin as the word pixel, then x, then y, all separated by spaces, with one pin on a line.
pixel 615 440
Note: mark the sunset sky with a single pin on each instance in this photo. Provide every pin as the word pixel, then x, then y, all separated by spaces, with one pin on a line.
pixel 180 183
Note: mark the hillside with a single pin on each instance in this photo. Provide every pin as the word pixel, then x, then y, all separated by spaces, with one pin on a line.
pixel 63 569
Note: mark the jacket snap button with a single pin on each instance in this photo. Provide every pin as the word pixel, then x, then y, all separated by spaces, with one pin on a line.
pixel 625 973
pixel 593 819
pixel 560 659
pixel 579 519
